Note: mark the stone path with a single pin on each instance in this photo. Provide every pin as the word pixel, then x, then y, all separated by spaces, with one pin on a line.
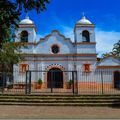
pixel 33 112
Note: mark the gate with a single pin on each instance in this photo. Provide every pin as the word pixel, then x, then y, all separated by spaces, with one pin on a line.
pixel 53 81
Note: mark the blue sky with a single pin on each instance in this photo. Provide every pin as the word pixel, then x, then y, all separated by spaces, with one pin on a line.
pixel 63 14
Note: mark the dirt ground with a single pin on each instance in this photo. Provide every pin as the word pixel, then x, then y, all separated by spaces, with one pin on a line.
pixel 58 112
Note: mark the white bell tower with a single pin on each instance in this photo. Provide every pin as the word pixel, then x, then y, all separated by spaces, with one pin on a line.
pixel 26 31
pixel 85 37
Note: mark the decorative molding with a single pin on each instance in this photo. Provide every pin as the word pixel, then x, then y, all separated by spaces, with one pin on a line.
pixel 54 66
pixel 104 67
pixel 86 43
pixel 60 55
pixel 28 26
pixel 81 25
pixel 59 60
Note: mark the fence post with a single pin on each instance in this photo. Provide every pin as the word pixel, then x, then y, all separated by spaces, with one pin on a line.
pixel 102 82
pixel 29 82
pixel 76 83
pixel 4 80
pixel 26 83
pixel 73 82
pixel 52 73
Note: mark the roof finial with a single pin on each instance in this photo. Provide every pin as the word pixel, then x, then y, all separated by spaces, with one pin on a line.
pixel 83 15
pixel 27 15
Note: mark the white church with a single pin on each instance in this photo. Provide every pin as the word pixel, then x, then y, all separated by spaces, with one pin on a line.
pixel 56 52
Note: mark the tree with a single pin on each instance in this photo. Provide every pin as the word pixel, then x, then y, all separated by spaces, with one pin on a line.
pixel 105 55
pixel 9 55
pixel 10 10
pixel 115 51
pixel 8 18
pixel 28 5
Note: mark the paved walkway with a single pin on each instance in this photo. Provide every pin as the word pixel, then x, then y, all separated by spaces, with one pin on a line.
pixel 58 112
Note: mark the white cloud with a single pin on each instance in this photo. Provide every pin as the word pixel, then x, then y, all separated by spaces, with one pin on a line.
pixel 105 40
pixel 68 32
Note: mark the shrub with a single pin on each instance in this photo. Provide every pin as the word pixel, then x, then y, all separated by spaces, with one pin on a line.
pixel 39 81
pixel 70 82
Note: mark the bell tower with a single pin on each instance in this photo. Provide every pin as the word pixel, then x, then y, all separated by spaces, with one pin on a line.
pixel 85 37
pixel 26 31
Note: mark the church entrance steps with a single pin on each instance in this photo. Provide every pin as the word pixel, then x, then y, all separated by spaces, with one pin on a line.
pixel 60 100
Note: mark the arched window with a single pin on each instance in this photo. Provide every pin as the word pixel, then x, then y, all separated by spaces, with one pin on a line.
pixel 24 36
pixel 86 36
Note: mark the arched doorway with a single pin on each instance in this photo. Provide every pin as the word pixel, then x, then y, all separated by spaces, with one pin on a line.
pixel 117 79
pixel 55 78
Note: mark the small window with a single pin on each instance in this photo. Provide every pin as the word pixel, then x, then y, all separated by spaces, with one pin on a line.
pixel 55 49
pixel 86 67
pixel 86 36
pixel 23 68
pixel 24 36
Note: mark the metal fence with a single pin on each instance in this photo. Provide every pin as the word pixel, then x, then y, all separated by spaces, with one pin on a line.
pixel 6 81
pixel 99 81
pixel 54 81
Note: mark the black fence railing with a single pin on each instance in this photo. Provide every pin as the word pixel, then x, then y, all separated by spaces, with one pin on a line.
pixel 6 81
pixel 55 81
pixel 99 81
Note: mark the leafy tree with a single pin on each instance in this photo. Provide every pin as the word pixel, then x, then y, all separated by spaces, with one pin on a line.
pixel 9 55
pixel 28 5
pixel 10 10
pixel 115 51
pixel 106 55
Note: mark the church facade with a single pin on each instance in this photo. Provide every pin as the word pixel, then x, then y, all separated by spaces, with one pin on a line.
pixel 57 53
